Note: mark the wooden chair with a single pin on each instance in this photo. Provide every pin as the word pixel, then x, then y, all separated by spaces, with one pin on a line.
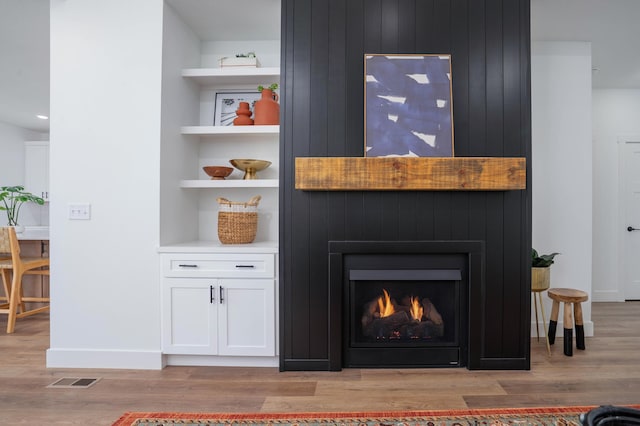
pixel 12 264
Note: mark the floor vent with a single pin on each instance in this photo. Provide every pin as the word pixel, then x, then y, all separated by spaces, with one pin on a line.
pixel 73 382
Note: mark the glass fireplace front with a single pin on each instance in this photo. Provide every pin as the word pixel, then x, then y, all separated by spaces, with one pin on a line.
pixel 404 317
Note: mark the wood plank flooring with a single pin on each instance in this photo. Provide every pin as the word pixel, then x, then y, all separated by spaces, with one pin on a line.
pixel 608 372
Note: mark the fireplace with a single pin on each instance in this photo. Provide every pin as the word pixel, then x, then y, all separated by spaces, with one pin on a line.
pixel 402 304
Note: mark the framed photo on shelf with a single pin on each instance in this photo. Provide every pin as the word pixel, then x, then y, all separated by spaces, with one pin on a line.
pixel 228 102
pixel 408 105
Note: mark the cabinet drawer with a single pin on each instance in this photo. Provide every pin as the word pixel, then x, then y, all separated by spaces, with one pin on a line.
pixel 258 265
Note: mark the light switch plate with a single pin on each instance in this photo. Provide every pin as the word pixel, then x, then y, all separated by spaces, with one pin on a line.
pixel 79 211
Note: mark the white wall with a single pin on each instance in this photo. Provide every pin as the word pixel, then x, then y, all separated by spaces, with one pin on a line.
pixel 615 115
pixel 562 163
pixel 106 63
pixel 12 139
pixel 180 99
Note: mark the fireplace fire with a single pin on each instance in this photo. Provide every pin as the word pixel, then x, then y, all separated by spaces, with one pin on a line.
pixel 413 318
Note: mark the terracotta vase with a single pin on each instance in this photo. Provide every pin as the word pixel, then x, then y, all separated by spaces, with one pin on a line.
pixel 267 109
pixel 243 113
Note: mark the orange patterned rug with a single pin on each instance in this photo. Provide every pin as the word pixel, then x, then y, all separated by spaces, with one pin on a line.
pixel 558 416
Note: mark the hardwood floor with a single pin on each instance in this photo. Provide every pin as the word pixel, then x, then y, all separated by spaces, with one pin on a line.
pixel 606 373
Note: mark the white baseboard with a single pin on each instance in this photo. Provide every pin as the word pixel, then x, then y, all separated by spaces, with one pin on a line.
pixel 82 358
pixel 222 361
pixel 607 296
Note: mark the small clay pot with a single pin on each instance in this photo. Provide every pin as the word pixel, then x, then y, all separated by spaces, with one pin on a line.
pixel 243 113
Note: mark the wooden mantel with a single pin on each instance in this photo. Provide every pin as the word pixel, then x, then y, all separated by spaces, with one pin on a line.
pixel 410 174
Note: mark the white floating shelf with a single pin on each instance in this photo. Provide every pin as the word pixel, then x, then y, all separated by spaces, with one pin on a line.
pixel 234 75
pixel 231 183
pixel 230 130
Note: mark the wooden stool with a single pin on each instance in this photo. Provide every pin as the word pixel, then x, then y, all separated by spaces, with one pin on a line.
pixel 567 296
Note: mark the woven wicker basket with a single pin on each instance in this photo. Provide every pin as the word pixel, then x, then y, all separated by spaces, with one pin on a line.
pixel 237 221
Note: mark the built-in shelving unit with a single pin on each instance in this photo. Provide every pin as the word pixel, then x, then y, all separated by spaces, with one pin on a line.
pixel 237 75
pixel 202 278
pixel 210 78
pixel 230 130
pixel 230 183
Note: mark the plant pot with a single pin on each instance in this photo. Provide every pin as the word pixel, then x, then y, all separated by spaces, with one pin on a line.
pixel 243 115
pixel 266 110
pixel 540 278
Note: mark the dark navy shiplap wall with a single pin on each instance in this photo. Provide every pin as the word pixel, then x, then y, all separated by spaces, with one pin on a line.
pixel 322 96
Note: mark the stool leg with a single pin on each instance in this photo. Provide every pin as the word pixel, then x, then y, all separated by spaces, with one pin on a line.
pixel 535 305
pixel 568 330
pixel 544 321
pixel 577 313
pixel 553 322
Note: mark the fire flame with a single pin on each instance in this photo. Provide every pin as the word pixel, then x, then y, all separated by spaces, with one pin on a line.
pixel 385 307
pixel 416 309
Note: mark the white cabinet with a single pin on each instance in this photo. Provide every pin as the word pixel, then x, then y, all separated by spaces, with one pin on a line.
pixel 36 168
pixel 218 304
pixel 189 316
pixel 246 317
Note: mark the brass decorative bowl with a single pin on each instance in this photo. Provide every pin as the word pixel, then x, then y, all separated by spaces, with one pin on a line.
pixel 217 172
pixel 250 166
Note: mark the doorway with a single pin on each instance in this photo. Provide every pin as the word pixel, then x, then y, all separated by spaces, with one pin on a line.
pixel 630 218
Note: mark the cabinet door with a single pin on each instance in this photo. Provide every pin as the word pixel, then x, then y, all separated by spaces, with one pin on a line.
pixel 246 315
pixel 36 168
pixel 189 316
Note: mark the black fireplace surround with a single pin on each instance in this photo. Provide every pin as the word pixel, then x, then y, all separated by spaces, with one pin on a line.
pixel 444 277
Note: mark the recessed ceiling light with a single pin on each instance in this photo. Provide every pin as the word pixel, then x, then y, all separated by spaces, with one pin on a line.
pixel 42 117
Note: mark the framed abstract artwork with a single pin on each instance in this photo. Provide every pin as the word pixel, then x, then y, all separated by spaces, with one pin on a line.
pixel 408 106
pixel 228 102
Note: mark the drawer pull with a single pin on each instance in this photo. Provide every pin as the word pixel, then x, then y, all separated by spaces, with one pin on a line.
pixel 245 266
pixel 187 266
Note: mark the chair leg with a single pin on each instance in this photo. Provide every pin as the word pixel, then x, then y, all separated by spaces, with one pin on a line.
pixel 16 300
pixel 6 282
pixel 577 313
pixel 553 322
pixel 16 292
pixel 568 330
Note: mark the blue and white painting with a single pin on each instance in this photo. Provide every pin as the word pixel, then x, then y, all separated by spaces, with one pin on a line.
pixel 408 106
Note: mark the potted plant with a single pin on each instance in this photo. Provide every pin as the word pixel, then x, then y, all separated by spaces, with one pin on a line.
pixel 266 110
pixel 11 200
pixel 540 271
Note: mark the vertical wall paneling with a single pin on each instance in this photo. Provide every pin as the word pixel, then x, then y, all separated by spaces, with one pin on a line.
pixel 324 42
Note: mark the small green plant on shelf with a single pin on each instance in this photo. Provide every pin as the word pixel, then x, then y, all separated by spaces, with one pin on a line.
pixel 12 198
pixel 272 87
pixel 541 261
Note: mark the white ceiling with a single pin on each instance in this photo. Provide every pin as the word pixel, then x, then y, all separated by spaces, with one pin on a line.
pixel 610 25
pixel 24 63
